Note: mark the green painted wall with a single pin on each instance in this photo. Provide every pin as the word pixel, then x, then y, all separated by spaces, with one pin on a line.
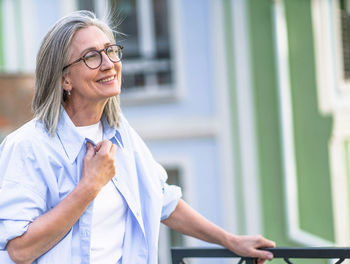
pixel 267 119
pixel 312 131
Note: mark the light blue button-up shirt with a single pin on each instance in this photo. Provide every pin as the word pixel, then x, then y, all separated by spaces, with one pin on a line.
pixel 38 171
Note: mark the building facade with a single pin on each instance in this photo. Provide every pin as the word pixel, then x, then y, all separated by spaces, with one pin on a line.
pixel 244 102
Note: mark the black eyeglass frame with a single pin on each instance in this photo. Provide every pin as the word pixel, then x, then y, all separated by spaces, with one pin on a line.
pixel 82 58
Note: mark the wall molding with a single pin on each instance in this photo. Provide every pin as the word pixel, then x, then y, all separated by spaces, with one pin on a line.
pixel 246 119
pixel 175 128
pixel 186 166
pixel 224 131
pixel 334 99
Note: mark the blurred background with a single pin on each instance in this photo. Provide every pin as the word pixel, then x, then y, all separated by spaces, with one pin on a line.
pixel 244 102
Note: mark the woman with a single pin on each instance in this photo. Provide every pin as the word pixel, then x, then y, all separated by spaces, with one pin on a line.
pixel 78 185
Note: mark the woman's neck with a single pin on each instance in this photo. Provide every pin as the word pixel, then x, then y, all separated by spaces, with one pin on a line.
pixel 84 115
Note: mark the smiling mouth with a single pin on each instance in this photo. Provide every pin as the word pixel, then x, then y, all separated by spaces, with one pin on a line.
pixel 107 79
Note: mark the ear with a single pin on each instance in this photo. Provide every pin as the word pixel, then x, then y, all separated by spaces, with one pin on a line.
pixel 66 83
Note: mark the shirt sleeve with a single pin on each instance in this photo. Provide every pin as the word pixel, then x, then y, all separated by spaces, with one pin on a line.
pixel 21 193
pixel 171 194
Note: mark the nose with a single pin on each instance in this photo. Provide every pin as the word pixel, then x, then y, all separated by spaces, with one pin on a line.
pixel 106 62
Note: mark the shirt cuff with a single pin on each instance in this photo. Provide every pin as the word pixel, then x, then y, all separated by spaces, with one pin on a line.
pixel 10 229
pixel 172 195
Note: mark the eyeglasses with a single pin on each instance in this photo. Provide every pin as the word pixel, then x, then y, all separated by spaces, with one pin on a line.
pixel 93 59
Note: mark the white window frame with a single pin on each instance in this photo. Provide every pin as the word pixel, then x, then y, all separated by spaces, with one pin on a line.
pixel 334 99
pixel 186 169
pixel 344 86
pixel 333 88
pixel 156 93
pixel 174 91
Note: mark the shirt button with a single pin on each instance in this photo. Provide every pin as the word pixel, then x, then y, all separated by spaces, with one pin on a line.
pixel 85 232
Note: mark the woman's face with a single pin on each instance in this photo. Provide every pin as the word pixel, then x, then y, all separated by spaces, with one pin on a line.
pixel 91 86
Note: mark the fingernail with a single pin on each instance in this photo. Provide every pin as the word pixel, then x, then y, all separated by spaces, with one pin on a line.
pixel 270 256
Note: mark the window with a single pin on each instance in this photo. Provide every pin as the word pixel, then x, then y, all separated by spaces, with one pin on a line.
pixel 341 46
pixel 331 24
pixel 176 239
pixel 169 238
pixel 147 66
pixel 345 36
pixel 86 5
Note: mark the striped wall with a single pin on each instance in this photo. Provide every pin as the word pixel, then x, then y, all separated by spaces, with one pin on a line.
pixel 289 192
pixel 293 135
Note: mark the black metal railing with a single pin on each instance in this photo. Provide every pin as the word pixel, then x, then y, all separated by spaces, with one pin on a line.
pixel 339 254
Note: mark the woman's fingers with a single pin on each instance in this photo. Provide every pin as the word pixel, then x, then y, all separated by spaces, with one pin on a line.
pixel 114 150
pixel 99 166
pixel 89 150
pixel 104 146
pixel 262 254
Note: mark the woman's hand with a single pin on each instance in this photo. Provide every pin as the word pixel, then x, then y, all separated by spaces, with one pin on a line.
pixel 99 167
pixel 248 246
pixel 48 229
pixel 186 220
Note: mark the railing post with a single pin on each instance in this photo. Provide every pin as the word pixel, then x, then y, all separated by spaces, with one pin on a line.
pixel 176 259
pixel 250 260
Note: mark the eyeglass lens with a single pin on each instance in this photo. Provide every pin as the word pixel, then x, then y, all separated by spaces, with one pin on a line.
pixel 93 59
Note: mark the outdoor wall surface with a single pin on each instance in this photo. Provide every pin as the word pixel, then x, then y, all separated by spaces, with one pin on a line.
pixel 258 143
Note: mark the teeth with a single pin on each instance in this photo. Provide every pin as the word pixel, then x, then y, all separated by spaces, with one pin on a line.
pixel 107 79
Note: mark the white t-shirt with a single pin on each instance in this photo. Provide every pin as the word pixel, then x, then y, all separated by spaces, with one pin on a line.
pixel 109 214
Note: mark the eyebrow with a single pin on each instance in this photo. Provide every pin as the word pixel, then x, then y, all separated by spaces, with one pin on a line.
pixel 92 48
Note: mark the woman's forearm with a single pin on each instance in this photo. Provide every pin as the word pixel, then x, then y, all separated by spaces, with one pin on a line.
pixel 48 229
pixel 187 221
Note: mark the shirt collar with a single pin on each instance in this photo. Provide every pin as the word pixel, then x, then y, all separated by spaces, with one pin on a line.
pixel 72 141
pixel 110 133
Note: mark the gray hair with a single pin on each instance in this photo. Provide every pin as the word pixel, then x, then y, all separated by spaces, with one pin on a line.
pixel 53 55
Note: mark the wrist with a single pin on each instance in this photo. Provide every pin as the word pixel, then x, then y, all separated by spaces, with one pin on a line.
pixel 229 241
pixel 87 189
